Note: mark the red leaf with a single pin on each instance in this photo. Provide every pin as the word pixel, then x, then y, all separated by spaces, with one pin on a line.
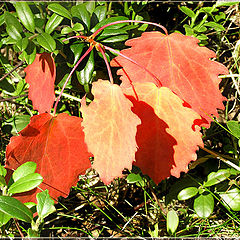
pixel 41 76
pixel 166 139
pixel 110 129
pixel 57 145
pixel 180 64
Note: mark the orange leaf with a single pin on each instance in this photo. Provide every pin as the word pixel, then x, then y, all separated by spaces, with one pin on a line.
pixel 180 64
pixel 110 129
pixel 41 76
pixel 57 145
pixel 166 138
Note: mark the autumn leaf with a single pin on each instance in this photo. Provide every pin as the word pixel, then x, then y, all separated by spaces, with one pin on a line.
pixel 166 138
pixel 41 76
pixel 110 129
pixel 180 64
pixel 57 145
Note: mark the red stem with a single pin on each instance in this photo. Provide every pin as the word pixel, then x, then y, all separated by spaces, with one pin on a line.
pixel 123 21
pixel 107 64
pixel 133 61
pixel 69 76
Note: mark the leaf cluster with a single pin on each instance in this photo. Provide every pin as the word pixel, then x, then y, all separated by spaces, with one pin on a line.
pixel 23 179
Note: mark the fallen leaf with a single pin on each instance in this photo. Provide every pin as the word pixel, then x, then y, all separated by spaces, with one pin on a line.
pixel 41 76
pixel 180 64
pixel 167 139
pixel 57 145
pixel 110 129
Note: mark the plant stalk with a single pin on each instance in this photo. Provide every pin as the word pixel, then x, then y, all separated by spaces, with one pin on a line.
pixel 107 64
pixel 69 76
pixel 133 61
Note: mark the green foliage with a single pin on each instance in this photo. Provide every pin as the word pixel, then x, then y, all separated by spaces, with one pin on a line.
pixel 204 20
pixel 172 222
pixel 204 201
pixel 28 28
pixel 23 179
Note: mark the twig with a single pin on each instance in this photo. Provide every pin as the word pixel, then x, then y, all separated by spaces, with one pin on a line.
pixel 16 67
pixel 236 83
pixel 17 225
pixel 68 96
pixel 11 98
pixel 158 203
pixel 221 158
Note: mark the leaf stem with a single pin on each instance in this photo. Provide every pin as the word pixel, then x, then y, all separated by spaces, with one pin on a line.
pixel 133 61
pixel 123 21
pixel 106 62
pixel 69 76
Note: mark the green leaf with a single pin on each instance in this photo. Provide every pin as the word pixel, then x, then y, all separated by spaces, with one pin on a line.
pixel 216 26
pixel 66 30
pixel 78 27
pixel 2 19
pixel 202 37
pixel 46 41
pixel 60 10
pixel 234 127
pixel 13 33
pixel 3 171
pixel 109 20
pixel 203 205
pixel 15 209
pixel 39 22
pixel 25 15
pixel 111 33
pixel 134 178
pixel 77 51
pixel 90 6
pixel 4 218
pixel 80 12
pixel 11 20
pixel 99 14
pixel 208 10
pixel 118 38
pixel 232 199
pixel 29 53
pixel 21 121
pixel 53 22
pixel 187 11
pixel 24 170
pixel 187 193
pixel 26 183
pixel 189 31
pixel 85 76
pixel 22 44
pixel 200 28
pixel 217 177
pixel 45 204
pixel 221 3
pixel 30 205
pixel 2 181
pixel 172 221
pixel 220 16
pixel 8 40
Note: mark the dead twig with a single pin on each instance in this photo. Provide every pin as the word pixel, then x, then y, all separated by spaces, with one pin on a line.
pixel 12 98
pixel 16 67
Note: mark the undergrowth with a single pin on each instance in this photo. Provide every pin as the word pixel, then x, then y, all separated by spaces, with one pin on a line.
pixel 134 206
